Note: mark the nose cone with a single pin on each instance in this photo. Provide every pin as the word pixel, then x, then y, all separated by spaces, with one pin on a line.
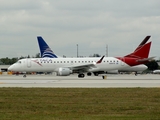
pixel 11 68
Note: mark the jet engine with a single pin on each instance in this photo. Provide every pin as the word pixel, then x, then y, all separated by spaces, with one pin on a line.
pixel 64 72
pixel 112 72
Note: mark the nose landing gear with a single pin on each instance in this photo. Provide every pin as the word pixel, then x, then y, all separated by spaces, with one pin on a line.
pixel 24 75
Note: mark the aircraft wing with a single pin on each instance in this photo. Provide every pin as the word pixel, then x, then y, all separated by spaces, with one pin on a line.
pixel 85 67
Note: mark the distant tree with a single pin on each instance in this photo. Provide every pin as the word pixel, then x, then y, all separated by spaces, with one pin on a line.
pixel 8 61
pixel 5 61
pixel 38 55
pixel 1 63
pixel 13 60
pixel 64 56
pixel 22 57
pixel 95 55
pixel 28 56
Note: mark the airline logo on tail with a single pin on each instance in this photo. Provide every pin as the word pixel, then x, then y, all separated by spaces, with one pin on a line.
pixel 45 50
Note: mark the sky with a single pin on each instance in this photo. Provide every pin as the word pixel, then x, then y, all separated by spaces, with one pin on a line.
pixel 91 24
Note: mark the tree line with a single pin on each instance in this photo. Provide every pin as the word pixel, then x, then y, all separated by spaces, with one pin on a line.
pixel 10 61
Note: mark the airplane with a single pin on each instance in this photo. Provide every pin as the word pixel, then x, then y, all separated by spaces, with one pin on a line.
pixel 47 52
pixel 67 66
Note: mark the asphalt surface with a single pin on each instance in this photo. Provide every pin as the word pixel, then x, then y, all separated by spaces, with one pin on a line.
pixel 51 81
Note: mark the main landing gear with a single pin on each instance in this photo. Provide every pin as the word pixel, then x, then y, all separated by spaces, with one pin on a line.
pixel 81 75
pixel 135 73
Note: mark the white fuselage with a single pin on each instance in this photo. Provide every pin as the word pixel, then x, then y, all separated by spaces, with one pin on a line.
pixel 53 64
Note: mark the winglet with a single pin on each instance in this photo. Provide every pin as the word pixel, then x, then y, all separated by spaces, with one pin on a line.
pixel 99 61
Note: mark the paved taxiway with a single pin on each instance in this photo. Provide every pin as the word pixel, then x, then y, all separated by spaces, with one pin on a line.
pixel 111 81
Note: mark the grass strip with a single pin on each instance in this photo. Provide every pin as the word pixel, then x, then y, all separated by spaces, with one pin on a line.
pixel 79 103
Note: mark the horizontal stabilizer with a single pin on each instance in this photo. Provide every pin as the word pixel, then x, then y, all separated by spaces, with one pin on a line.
pixel 146 59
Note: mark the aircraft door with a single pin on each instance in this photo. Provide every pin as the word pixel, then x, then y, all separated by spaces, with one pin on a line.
pixel 123 61
pixel 28 63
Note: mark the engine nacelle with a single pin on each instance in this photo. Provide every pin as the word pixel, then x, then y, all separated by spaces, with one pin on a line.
pixel 112 72
pixel 64 71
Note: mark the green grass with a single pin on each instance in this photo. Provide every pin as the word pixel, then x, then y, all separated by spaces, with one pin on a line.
pixel 79 103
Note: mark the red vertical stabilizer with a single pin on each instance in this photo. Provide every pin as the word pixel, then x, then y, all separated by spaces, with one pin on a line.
pixel 143 42
pixel 142 52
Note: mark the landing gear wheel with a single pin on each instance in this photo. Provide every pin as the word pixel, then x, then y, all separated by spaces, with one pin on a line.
pixel 96 73
pixel 89 73
pixel 81 75
pixel 135 73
